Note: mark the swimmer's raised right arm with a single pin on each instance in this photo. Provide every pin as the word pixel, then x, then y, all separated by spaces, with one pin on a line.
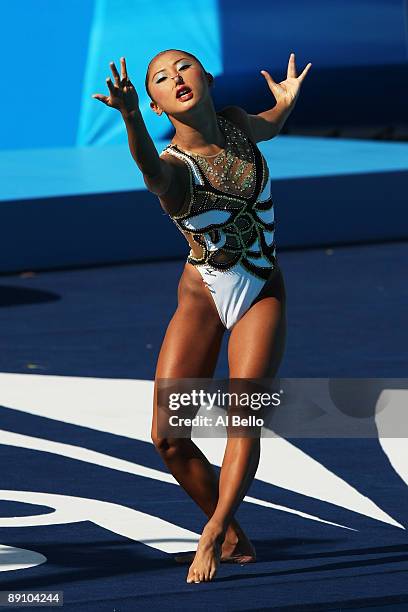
pixel 160 177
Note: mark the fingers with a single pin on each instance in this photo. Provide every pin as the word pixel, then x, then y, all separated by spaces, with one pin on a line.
pixel 119 79
pixel 115 73
pixel 304 73
pixel 291 72
pixel 110 86
pixel 101 97
pixel 123 68
pixel 272 85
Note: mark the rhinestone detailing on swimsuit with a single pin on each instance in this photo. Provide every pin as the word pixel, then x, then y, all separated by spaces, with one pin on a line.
pixel 228 169
pixel 234 230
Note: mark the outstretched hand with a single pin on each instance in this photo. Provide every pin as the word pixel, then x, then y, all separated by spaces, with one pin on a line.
pixel 287 91
pixel 122 94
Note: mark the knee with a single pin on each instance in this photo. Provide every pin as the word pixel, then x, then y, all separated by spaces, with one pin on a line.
pixel 166 446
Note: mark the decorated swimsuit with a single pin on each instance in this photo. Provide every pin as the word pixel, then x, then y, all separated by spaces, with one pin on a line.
pixel 234 229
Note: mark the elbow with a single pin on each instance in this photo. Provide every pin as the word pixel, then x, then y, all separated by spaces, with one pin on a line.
pixel 157 183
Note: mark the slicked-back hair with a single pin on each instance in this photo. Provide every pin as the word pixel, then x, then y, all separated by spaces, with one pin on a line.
pixel 161 53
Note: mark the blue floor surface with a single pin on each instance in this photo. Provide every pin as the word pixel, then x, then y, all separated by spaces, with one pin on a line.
pixel 347 317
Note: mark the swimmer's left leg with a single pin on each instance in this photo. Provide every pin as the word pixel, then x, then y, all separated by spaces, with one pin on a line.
pixel 255 350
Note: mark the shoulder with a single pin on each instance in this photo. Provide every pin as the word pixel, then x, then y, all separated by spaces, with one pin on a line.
pixel 174 162
pixel 167 156
pixel 240 117
pixel 178 188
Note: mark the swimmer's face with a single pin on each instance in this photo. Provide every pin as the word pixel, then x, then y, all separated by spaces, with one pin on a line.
pixel 163 83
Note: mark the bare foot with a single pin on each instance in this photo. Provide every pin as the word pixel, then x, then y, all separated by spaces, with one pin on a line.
pixel 235 549
pixel 207 557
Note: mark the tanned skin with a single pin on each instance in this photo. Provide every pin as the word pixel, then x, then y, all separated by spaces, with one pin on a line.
pixel 193 338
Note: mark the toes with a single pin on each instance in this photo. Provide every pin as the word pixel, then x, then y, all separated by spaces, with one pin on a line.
pixel 193 576
pixel 241 559
pixel 246 559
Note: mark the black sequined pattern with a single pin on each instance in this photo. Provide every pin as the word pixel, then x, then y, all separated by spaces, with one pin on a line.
pixel 241 233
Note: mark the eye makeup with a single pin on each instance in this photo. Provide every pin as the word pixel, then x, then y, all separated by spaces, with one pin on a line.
pixel 181 65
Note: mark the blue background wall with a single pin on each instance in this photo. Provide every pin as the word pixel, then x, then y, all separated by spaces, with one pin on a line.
pixel 56 54
pixel 43 46
pixel 70 192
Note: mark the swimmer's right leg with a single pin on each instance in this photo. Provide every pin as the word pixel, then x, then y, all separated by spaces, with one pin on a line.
pixel 190 349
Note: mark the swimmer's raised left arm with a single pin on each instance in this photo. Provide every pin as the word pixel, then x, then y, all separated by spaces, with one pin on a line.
pixel 268 124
